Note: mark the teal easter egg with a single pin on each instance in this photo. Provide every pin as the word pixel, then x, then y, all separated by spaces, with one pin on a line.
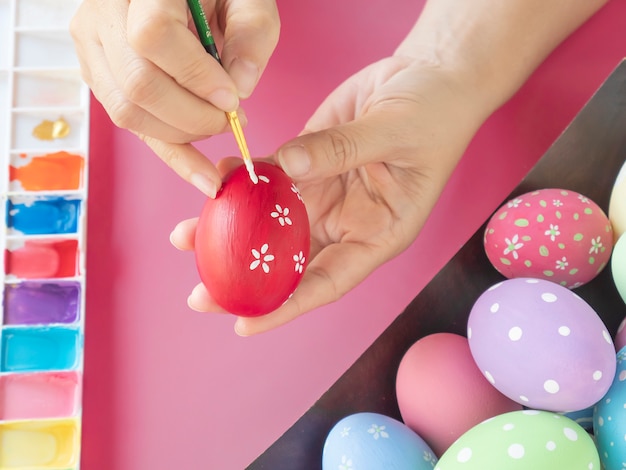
pixel 609 420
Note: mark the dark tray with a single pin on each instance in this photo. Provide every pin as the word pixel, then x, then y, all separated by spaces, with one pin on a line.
pixel 585 158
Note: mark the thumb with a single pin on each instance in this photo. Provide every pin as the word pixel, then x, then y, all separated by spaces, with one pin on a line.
pixel 337 150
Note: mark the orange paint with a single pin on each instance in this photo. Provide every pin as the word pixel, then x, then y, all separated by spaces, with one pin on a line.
pixel 54 171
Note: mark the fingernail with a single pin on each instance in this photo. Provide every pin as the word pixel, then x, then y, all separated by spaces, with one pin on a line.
pixel 294 160
pixel 224 99
pixel 190 300
pixel 240 329
pixel 172 240
pixel 245 75
pixel 204 184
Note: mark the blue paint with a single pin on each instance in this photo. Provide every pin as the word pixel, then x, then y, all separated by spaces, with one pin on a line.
pixel 40 349
pixel 48 215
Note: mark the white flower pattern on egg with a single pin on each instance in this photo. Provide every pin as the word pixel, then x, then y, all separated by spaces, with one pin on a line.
pixel 300 260
pixel 261 258
pixel 552 232
pixel 295 190
pixel 346 463
pixel 596 245
pixel 378 431
pixel 513 245
pixel 282 214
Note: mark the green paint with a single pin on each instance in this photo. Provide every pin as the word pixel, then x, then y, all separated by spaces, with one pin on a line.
pixel 576 216
pixel 540 218
pixel 527 263
pixel 578 237
pixel 588 210
pixel 548 273
pixel 558 214
pixel 503 215
pixel 543 250
pixel 543 203
pixel 592 260
pixel 573 271
pixel 505 261
pixel 561 246
pixel 521 222
pixel 526 238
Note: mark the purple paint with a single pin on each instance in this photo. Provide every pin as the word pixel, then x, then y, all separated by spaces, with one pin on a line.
pixel 33 303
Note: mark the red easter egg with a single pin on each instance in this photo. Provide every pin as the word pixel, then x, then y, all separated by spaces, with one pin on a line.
pixel 252 241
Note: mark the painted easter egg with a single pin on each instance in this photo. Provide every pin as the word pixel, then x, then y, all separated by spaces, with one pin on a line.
pixel 618 266
pixel 441 392
pixel 372 441
pixel 523 440
pixel 553 234
pixel 609 420
pixel 617 204
pixel 252 242
pixel 541 345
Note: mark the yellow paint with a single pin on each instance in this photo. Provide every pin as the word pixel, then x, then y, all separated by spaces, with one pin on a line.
pixel 50 130
pixel 39 445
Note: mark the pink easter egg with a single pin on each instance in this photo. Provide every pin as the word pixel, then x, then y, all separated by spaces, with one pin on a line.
pixel 553 234
pixel 441 392
pixel 252 242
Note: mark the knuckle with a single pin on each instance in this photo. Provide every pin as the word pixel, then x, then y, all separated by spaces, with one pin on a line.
pixel 140 84
pixel 124 114
pixel 342 150
pixel 148 32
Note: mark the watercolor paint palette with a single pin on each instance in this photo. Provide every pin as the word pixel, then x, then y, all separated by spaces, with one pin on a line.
pixel 44 144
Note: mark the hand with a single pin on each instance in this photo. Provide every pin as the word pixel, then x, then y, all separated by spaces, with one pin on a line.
pixel 146 66
pixel 370 166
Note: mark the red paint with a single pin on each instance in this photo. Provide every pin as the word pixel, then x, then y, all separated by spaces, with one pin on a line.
pixel 252 242
pixel 41 259
pixel 53 171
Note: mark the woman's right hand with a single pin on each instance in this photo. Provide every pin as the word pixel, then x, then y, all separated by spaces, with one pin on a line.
pixel 146 66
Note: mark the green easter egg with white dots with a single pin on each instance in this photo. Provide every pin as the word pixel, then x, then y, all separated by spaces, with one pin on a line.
pixel 523 440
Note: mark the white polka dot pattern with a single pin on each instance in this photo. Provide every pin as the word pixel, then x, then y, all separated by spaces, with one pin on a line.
pixel 523 440
pixel 609 419
pixel 552 351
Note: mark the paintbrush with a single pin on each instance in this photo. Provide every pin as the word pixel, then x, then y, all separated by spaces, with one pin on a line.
pixel 208 42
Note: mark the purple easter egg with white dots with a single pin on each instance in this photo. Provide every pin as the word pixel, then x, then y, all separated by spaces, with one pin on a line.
pixel 541 345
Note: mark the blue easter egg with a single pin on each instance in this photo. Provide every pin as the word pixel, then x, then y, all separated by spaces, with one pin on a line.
pixel 609 420
pixel 372 441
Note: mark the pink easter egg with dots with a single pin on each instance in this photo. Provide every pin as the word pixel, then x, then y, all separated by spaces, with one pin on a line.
pixel 541 345
pixel 552 234
pixel 252 242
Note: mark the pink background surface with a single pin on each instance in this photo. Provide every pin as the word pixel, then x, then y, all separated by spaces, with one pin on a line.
pixel 169 388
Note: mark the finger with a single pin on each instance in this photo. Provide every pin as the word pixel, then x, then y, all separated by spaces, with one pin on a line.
pixel 336 270
pixel 189 163
pixel 147 86
pixel 183 236
pixel 341 148
pixel 158 30
pixel 98 76
pixel 251 35
pixel 201 301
